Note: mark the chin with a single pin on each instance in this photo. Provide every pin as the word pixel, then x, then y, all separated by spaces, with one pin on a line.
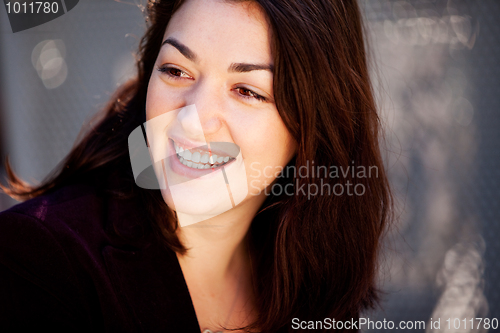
pixel 187 202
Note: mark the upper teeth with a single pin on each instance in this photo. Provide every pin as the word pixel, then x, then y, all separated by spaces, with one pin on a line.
pixel 194 159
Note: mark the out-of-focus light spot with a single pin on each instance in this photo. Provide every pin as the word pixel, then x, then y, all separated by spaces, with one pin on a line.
pixel 457 81
pixel 461 25
pixel 461 278
pixel 464 111
pixel 426 27
pixel 48 59
pixel 409 30
pixel 451 7
pixel 390 33
pixel 403 10
pixel 411 27
pixel 442 32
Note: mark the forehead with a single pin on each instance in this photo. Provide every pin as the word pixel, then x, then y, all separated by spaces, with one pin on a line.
pixel 216 28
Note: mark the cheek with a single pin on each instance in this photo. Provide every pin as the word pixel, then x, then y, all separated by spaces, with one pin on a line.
pixel 267 148
pixel 273 142
pixel 152 100
pixel 159 98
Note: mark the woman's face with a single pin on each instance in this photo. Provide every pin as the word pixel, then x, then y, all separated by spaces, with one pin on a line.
pixel 210 94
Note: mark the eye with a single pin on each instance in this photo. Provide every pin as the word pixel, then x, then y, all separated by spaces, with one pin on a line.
pixel 174 72
pixel 247 93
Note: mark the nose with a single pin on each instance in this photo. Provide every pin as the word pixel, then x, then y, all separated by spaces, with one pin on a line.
pixel 202 119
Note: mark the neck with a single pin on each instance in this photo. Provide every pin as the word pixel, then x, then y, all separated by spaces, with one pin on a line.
pixel 217 246
pixel 217 267
pixel 218 251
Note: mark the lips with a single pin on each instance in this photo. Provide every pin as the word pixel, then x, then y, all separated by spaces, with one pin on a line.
pixel 199 158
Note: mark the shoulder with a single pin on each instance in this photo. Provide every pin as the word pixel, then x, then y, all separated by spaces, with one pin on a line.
pixel 58 210
pixel 78 212
pixel 50 218
pixel 77 221
pixel 53 246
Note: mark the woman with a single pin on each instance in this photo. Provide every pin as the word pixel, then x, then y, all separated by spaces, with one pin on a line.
pixel 285 84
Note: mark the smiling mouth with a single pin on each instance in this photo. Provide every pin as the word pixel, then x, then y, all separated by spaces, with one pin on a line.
pixel 199 159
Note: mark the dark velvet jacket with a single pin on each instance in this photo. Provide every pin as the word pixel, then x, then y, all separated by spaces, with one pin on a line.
pixel 78 260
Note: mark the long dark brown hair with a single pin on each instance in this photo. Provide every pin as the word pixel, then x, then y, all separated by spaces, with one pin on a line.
pixel 315 256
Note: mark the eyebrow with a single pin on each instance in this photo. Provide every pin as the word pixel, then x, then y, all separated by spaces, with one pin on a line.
pixel 183 49
pixel 242 67
pixel 234 67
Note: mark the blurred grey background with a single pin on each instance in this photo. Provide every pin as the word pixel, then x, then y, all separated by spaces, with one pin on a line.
pixel 437 80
